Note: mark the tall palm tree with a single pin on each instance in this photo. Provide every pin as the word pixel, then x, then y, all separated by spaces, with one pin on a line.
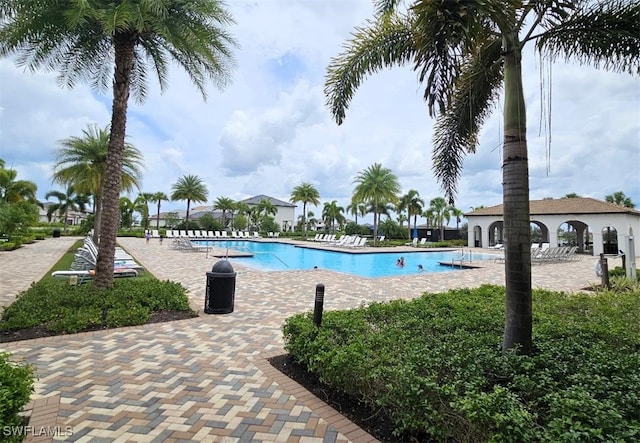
pixel 620 199
pixel 116 43
pixel 67 201
pixel 466 52
pixel 412 203
pixel 190 188
pixel 457 213
pixel 240 208
pixel 305 193
pixel 82 162
pixel 158 197
pixel 376 186
pixel 224 204
pixel 265 207
pixel 332 213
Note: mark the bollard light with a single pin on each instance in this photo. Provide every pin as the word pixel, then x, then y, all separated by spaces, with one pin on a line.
pixel 317 308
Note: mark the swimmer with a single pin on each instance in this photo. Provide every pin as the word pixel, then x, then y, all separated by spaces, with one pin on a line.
pixel 420 268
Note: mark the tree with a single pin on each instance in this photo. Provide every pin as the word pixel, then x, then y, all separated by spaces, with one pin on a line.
pixel 18 203
pixel 618 198
pixel 332 213
pixel 142 206
pixel 305 193
pixel 224 204
pixel 15 191
pixel 127 207
pixel 82 162
pixel 159 197
pixel 357 208
pixel 457 213
pixel 465 52
pixel 440 213
pixel 376 186
pixel 96 40
pixel 266 208
pixel 190 188
pixel 412 203
pixel 69 201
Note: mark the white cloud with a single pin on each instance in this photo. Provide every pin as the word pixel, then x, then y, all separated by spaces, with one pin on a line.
pixel 270 130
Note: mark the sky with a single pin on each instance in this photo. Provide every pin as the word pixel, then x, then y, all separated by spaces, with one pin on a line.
pixel 270 130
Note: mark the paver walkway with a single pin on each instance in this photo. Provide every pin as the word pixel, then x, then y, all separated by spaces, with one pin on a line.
pixel 205 379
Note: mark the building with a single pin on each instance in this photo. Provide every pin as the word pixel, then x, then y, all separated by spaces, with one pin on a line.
pixel 74 218
pixel 594 226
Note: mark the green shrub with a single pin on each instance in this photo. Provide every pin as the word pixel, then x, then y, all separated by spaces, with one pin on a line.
pixel 434 365
pixel 63 308
pixel 16 386
pixel 9 246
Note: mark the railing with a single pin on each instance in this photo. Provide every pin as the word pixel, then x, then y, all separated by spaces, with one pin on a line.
pixel 464 256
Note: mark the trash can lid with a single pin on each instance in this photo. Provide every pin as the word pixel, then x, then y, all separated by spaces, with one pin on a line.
pixel 222 267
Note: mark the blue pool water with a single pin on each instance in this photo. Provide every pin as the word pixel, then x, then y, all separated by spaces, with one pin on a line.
pixel 284 257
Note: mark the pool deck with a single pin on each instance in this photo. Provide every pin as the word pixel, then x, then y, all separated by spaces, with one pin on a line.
pixel 207 379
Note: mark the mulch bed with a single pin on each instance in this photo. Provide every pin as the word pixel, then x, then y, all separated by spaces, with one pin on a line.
pixel 374 421
pixel 41 331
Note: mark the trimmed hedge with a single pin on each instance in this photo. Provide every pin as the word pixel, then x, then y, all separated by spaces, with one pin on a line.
pixel 434 365
pixel 16 386
pixel 63 308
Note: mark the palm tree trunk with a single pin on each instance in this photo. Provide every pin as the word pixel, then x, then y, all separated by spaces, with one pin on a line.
pixel 158 216
pixel 124 47
pixel 187 218
pixel 375 227
pixel 518 323
pixel 97 218
pixel 304 220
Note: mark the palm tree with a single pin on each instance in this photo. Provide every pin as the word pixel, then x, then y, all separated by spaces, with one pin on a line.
pixel 127 207
pixel 113 43
pixel 15 191
pixel 224 204
pixel 332 213
pixel 376 186
pixel 440 212
pixel 305 193
pixel 357 208
pixel 142 206
pixel 412 203
pixel 158 197
pixel 265 207
pixel 620 199
pixel 457 213
pixel 466 52
pixel 82 162
pixel 190 188
pixel 240 208
pixel 69 201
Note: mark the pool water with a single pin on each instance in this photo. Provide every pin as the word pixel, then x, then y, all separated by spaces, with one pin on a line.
pixel 284 257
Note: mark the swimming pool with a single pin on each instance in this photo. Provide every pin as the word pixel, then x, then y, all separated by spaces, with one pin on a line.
pixel 269 256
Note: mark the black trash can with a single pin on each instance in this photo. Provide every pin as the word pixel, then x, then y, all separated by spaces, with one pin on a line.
pixel 221 288
pixel 56 233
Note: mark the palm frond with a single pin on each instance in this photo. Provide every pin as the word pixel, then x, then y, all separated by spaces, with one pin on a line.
pixel 456 131
pixel 605 35
pixel 383 43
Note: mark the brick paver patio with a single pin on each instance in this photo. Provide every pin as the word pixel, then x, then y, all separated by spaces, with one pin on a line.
pixel 206 379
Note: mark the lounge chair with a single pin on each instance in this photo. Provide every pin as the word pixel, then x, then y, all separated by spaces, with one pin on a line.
pixel 381 238
pixel 423 241
pixel 155 234
pixel 270 234
pixel 217 234
pixel 169 233
pixel 247 234
pixel 224 234
pixel 183 233
pixel 413 243
pixel 256 234
pixel 234 234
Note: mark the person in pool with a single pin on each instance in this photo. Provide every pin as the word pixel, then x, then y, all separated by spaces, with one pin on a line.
pixel 420 268
pixel 400 262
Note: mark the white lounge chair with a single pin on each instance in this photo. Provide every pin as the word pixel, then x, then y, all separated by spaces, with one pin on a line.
pixel 413 243
pixel 246 234
pixel 224 234
pixel 217 234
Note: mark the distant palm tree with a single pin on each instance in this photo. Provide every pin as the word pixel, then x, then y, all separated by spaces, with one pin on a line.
pixel 457 213
pixel 620 199
pixel 118 43
pixel 127 207
pixel 469 54
pixel 158 197
pixel 265 208
pixel 571 195
pixel 69 201
pixel 357 208
pixel 441 212
pixel 240 208
pixel 142 206
pixel 190 188
pixel 82 162
pixel 15 191
pixel 376 186
pixel 332 213
pixel 412 203
pixel 305 193
pixel 224 204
